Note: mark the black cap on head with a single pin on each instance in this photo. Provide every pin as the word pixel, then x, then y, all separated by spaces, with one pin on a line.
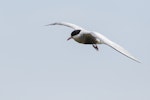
pixel 75 32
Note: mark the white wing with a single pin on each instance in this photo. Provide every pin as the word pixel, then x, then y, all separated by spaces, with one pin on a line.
pixel 115 46
pixel 68 25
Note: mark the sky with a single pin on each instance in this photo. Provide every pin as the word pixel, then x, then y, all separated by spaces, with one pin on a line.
pixel 37 63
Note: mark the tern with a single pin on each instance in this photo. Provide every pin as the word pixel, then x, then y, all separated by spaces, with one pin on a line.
pixel 84 36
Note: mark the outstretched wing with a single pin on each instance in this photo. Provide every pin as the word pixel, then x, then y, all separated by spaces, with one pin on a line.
pixel 75 27
pixel 115 46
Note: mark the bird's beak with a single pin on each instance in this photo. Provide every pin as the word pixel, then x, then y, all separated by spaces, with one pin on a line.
pixel 69 38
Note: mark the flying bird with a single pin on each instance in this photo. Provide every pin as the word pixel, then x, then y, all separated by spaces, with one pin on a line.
pixel 84 36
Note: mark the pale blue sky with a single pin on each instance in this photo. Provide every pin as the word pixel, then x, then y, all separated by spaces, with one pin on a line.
pixel 37 63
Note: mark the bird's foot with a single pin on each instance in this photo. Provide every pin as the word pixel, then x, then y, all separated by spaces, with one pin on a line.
pixel 95 46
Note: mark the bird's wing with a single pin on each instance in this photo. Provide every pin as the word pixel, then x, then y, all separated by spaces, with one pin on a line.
pixel 68 25
pixel 115 46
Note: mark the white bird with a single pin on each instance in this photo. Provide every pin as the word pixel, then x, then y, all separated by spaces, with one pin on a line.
pixel 83 36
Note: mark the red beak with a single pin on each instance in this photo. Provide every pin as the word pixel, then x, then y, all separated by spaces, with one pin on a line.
pixel 69 38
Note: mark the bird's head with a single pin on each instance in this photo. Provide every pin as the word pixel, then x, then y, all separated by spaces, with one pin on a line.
pixel 74 33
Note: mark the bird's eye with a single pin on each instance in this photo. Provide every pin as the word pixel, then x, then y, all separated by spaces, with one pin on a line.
pixel 75 32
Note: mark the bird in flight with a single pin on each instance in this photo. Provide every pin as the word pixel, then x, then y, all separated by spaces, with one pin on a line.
pixel 84 36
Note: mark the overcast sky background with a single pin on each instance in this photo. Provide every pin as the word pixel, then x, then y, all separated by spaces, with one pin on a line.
pixel 37 63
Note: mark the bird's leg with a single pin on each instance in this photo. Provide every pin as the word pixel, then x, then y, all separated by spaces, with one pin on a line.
pixel 95 46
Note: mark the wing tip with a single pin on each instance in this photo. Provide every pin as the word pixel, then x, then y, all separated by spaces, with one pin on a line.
pixel 51 24
pixel 58 23
pixel 137 60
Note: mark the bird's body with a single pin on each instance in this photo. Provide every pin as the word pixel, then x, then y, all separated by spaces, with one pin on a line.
pixel 86 38
pixel 83 36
